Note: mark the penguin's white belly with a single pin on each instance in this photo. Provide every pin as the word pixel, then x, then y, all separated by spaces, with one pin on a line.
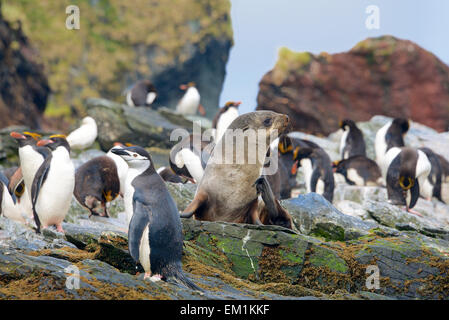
pixel 192 162
pixel 354 177
pixel 129 101
pixel 128 202
pixel 122 170
pixel 423 168
pixel 9 209
pixel 427 189
pixel 343 143
pixel 56 193
pixel 144 251
pixel 225 121
pixel 387 159
pixel 306 165
pixel 189 102
pixel 25 206
pixel 83 137
pixel 320 187
pixel 380 144
pixel 150 97
pixel 30 161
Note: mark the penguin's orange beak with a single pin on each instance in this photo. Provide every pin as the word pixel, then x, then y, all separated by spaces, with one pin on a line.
pixel 183 87
pixel 201 110
pixel 17 135
pixel 118 144
pixel 295 167
pixel 238 103
pixel 42 143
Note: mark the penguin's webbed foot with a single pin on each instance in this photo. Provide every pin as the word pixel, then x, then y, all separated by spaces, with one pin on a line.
pixel 413 212
pixel 59 228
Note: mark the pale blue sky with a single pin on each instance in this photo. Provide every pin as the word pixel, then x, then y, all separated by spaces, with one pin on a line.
pixel 261 27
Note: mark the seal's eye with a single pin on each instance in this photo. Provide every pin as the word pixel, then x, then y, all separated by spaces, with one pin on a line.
pixel 267 122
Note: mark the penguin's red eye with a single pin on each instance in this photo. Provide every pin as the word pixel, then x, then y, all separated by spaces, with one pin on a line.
pixel 135 155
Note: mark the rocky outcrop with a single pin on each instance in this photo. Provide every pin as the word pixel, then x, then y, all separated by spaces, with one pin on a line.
pixel 382 75
pixel 23 84
pixel 119 43
pixel 141 126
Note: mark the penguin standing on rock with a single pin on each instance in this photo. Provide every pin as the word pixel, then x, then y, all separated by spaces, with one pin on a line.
pixel 389 136
pixel 53 184
pixel 190 102
pixel 317 171
pixel 8 206
pixel 31 158
pixel 155 234
pixel 143 93
pixel 352 142
pixel 359 171
pixel 406 174
pixel 122 166
pixel 83 137
pixel 189 157
pixel 432 184
pixel 224 118
pixel 97 183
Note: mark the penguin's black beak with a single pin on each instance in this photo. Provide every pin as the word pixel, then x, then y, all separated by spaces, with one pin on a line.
pixel 120 152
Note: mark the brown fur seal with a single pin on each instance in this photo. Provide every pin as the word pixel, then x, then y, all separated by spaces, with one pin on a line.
pixel 96 183
pixel 229 190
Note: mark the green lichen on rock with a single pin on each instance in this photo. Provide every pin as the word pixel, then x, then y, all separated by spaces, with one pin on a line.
pixel 117 43
pixel 289 60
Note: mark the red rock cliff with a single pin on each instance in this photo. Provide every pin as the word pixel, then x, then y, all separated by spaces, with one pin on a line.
pixel 382 75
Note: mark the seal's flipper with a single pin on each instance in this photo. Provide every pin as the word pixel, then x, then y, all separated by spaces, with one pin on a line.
pixel 195 205
pixel 272 212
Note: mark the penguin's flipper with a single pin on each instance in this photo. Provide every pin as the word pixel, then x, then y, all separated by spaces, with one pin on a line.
pixel 316 174
pixel 38 181
pixel 195 205
pixel 138 223
pixel 16 185
pixel 415 194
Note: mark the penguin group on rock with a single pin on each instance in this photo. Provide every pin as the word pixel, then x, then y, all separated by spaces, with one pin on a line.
pixel 42 186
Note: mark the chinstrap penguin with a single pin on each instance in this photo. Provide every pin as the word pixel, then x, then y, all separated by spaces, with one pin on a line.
pixel 155 236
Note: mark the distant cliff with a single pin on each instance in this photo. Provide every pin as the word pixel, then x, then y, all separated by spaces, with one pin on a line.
pixel 382 75
pixel 23 86
pixel 168 41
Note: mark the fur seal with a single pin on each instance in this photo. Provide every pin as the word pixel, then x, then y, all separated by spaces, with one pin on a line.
pixel 97 183
pixel 230 186
pixel 155 233
pixel 352 142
